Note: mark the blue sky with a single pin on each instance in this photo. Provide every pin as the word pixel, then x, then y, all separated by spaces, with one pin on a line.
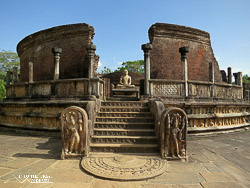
pixel 121 26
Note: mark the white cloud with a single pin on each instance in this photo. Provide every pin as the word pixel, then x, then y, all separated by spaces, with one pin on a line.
pixel 99 64
pixel 120 63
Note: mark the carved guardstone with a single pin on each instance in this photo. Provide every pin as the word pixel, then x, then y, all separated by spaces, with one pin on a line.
pixel 74 132
pixel 173 134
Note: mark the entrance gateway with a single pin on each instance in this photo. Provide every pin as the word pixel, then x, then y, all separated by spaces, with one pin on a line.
pixel 125 127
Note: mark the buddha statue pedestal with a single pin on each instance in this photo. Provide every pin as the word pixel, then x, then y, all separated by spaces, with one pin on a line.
pixel 125 92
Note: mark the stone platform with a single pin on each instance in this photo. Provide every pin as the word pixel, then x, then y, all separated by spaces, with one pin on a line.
pixel 125 93
pixel 214 161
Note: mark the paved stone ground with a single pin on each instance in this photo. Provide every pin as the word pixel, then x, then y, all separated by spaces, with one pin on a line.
pixel 222 160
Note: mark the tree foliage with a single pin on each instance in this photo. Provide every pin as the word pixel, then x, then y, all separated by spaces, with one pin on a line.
pixel 8 60
pixel 132 66
pixel 245 79
pixel 105 70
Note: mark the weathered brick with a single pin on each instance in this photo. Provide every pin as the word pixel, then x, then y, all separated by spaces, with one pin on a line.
pixel 36 48
pixel 166 59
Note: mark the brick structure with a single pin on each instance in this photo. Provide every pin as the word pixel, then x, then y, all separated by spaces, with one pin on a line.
pixel 166 40
pixel 51 82
pixel 36 48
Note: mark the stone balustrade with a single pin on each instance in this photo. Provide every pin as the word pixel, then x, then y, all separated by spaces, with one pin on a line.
pixel 197 89
pixel 63 88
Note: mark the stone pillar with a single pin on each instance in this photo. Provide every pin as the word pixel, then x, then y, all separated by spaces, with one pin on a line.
pixel 146 49
pixel 8 78
pixel 30 72
pixel 223 75
pixel 15 75
pixel 238 78
pixel 211 76
pixel 211 72
pixel 229 75
pixel 57 52
pixel 91 52
pixel 184 51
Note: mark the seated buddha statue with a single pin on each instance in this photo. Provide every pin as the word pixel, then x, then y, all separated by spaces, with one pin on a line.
pixel 125 81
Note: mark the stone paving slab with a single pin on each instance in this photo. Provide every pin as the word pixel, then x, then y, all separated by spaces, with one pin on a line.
pixel 214 161
pixel 221 185
pixel 178 178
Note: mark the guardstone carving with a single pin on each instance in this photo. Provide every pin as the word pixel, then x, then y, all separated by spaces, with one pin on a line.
pixel 173 133
pixel 74 132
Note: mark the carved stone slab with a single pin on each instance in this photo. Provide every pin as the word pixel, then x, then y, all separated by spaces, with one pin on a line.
pixel 124 167
pixel 173 133
pixel 74 132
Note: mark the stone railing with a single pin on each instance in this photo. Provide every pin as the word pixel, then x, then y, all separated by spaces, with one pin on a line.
pixel 200 89
pixel 197 89
pixel 166 88
pixel 67 88
pixel 228 91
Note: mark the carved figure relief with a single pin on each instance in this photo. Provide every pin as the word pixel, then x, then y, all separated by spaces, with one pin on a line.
pixel 74 129
pixel 173 133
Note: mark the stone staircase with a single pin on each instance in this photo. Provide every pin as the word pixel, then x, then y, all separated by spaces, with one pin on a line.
pixel 124 126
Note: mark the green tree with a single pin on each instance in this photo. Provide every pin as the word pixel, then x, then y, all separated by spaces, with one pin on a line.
pixel 132 66
pixel 105 70
pixel 8 60
pixel 2 89
pixel 245 79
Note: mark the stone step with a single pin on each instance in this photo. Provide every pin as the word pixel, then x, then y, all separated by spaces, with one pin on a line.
pixel 124 125
pixel 124 139
pixel 124 148
pixel 125 119
pixel 122 109
pixel 122 99
pixel 125 104
pixel 124 132
pixel 125 114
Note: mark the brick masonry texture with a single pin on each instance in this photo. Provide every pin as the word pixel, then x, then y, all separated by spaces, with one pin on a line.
pixel 166 59
pixel 36 48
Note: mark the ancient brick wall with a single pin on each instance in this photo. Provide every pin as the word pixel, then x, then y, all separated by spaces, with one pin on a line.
pixel 166 40
pixel 36 48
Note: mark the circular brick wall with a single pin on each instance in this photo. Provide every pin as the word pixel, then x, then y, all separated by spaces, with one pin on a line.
pixel 166 40
pixel 36 48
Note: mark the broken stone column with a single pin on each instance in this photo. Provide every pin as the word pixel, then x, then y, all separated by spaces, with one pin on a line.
pixel 238 78
pixel 57 52
pixel 30 72
pixel 229 75
pixel 184 51
pixel 146 49
pixel 15 75
pixel 223 75
pixel 91 52
pixel 8 78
